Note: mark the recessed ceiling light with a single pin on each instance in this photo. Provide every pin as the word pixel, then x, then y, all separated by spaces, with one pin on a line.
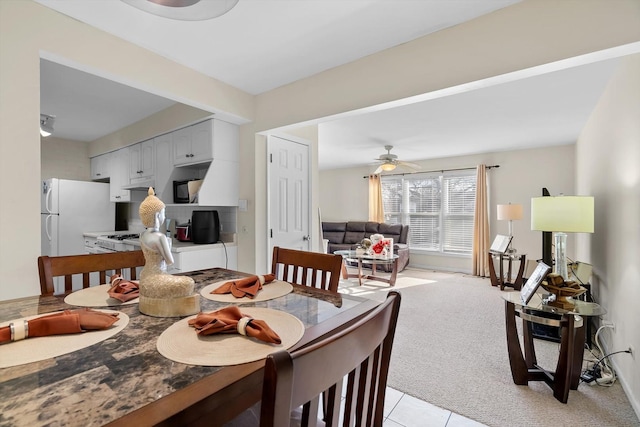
pixel 185 10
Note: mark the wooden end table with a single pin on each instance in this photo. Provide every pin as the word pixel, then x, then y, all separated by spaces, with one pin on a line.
pixel 525 368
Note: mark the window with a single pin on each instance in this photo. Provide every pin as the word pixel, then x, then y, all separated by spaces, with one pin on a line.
pixel 439 209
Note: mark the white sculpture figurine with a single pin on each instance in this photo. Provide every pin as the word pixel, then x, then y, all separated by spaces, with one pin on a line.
pixel 161 294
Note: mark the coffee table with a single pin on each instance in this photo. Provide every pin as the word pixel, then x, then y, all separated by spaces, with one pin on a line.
pixel 373 261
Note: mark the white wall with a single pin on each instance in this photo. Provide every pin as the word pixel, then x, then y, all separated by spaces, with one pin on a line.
pixel 65 159
pixel 608 167
pixel 521 176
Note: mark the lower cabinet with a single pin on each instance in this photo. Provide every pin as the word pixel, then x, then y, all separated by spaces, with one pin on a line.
pixel 211 257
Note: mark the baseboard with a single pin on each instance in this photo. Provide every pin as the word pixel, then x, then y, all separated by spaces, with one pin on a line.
pixel 437 268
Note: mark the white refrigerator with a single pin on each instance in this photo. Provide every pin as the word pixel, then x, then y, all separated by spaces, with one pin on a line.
pixel 71 208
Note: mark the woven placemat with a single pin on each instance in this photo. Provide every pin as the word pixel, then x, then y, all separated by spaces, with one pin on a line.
pixel 95 296
pixel 181 343
pixel 271 290
pixel 42 348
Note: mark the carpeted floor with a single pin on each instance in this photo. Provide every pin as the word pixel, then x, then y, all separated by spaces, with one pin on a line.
pixel 450 350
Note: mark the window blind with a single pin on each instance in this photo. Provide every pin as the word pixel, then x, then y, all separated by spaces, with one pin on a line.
pixel 439 209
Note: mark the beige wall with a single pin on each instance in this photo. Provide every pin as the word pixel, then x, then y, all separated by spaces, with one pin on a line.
pixel 30 31
pixel 608 167
pixel 167 120
pixel 521 176
pixel 62 158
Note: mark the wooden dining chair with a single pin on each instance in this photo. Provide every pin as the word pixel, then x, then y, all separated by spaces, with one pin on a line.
pixel 313 269
pixel 359 355
pixel 68 266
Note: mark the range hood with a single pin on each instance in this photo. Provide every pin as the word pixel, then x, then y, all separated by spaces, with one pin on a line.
pixel 142 185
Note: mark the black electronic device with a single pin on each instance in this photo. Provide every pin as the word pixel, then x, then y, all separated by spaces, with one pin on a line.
pixel 205 227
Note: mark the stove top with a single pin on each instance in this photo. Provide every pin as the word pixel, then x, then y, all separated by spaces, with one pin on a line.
pixel 114 242
pixel 122 236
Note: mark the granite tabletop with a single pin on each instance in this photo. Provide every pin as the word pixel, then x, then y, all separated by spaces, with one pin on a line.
pixel 103 382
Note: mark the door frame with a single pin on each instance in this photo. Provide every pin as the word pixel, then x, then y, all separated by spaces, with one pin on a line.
pixel 308 144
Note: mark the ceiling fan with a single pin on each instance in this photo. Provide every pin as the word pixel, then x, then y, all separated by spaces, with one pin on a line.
pixel 390 162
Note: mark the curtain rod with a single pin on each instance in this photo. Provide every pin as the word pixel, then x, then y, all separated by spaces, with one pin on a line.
pixel 437 170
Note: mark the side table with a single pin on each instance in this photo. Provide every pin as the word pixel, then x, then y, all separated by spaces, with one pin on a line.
pixel 503 280
pixel 524 368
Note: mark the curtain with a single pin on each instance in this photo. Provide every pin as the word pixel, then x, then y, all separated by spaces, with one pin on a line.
pixel 376 211
pixel 481 225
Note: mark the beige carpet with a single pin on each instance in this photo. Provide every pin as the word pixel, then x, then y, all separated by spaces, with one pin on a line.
pixel 450 350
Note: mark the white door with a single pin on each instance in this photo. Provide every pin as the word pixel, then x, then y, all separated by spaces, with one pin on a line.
pixel 288 195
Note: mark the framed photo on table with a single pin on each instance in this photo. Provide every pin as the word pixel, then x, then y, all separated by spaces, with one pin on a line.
pixel 532 284
pixel 500 244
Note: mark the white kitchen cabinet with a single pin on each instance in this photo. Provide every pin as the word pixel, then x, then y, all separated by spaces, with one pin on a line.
pixel 210 257
pixel 119 176
pixel 220 186
pixel 141 161
pixel 100 167
pixel 193 144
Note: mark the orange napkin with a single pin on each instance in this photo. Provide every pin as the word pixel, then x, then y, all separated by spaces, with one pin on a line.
pixel 230 320
pixel 245 287
pixel 64 322
pixel 123 290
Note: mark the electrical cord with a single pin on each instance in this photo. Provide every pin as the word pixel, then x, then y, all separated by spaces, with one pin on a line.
pixel 604 376
pixel 226 255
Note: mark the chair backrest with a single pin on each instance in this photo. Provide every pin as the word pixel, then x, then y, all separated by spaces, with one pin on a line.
pixel 313 269
pixel 359 354
pixel 67 266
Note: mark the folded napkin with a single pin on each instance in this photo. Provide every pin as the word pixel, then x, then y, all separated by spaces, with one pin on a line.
pixel 245 287
pixel 123 290
pixel 230 320
pixel 64 322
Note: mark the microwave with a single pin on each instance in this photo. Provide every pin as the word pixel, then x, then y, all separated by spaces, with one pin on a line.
pixel 186 191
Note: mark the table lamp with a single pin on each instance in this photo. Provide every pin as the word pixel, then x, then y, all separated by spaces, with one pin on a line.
pixel 509 213
pixel 562 215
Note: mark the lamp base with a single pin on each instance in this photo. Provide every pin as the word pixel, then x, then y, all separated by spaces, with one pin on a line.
pixel 561 255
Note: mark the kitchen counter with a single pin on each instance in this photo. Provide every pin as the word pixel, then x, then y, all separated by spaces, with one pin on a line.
pixel 178 246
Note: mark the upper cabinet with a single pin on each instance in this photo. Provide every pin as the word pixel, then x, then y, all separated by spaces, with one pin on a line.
pixel 193 144
pixel 205 141
pixel 208 151
pixel 142 161
pixel 119 176
pixel 100 167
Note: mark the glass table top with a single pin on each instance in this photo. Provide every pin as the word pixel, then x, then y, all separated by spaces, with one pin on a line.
pixel 582 308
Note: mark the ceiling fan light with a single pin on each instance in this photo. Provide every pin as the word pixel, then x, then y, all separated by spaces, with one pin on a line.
pixel 184 10
pixel 387 167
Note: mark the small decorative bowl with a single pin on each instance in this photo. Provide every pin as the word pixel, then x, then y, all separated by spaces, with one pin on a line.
pixel 562 293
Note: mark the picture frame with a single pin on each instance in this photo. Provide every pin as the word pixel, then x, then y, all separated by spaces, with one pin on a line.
pixel 534 281
pixel 500 244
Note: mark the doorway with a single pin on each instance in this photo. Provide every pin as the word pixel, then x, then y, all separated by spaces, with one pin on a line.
pixel 288 194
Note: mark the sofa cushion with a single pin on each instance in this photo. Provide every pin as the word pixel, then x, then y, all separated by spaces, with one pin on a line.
pixel 372 228
pixel 334 231
pixel 391 231
pixel 356 226
pixel 353 237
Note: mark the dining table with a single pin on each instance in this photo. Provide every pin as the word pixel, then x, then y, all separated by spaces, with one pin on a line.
pixel 125 381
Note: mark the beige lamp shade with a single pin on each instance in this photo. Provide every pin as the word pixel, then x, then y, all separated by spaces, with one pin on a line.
pixel 509 212
pixel 569 214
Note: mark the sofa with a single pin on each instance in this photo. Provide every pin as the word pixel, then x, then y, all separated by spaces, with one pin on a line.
pixel 347 235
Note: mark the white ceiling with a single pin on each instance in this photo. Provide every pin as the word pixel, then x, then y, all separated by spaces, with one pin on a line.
pixel 246 47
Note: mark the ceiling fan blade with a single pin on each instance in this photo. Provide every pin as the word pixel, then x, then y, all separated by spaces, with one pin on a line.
pixel 377 171
pixel 410 165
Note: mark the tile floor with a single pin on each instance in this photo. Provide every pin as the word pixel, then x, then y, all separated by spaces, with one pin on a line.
pixel 402 410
